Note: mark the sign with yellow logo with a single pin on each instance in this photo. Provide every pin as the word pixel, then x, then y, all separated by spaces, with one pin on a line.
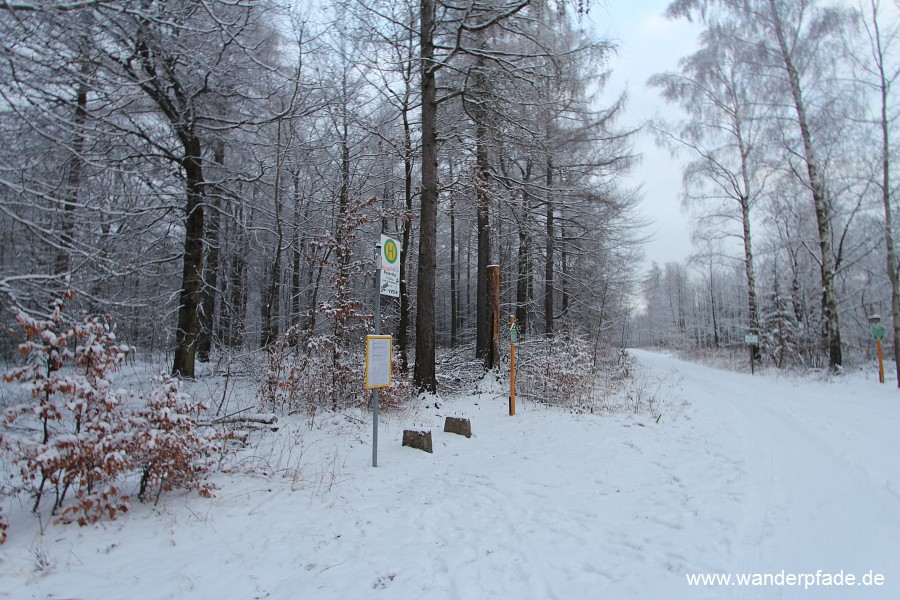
pixel 390 267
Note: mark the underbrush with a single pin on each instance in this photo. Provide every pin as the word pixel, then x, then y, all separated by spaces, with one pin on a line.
pixel 571 373
pixel 319 375
pixel 78 440
pixel 72 436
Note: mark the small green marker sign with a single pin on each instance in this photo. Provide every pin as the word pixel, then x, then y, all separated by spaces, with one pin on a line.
pixel 878 331
pixel 391 253
pixel 390 267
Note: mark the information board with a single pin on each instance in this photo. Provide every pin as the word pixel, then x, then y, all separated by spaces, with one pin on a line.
pixel 378 361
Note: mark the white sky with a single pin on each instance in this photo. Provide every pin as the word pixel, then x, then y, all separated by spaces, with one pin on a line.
pixel 649 43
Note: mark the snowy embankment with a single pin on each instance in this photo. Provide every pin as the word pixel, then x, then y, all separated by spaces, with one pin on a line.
pixel 740 475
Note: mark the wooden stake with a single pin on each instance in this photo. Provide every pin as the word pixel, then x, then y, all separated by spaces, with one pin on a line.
pixel 512 368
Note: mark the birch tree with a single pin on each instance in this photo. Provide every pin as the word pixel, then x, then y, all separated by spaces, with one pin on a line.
pixel 717 88
pixel 787 37
pixel 877 71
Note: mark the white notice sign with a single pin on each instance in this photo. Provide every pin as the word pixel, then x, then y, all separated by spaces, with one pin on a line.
pixel 390 283
pixel 378 361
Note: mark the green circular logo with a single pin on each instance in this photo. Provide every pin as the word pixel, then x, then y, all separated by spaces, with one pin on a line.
pixel 391 253
pixel 878 331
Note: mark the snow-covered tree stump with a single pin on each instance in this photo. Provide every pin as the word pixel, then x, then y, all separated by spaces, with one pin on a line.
pixel 418 439
pixel 458 425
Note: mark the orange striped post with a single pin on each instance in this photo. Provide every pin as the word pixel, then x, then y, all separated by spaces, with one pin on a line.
pixel 513 337
pixel 878 331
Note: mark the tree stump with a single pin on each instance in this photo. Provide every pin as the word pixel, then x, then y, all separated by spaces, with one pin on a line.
pixel 418 439
pixel 458 425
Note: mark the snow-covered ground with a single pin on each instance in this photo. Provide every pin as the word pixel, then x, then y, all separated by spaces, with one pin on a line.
pixel 741 475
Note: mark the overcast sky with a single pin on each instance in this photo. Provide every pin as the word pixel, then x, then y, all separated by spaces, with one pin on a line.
pixel 649 43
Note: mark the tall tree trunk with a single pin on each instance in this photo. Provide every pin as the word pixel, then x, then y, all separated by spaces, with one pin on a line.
pixel 712 306
pixel 73 180
pixel 235 309
pixel 192 268
pixel 548 262
pixel 297 245
pixel 492 313
pixel 798 301
pixel 312 305
pixel 475 105
pixel 237 303
pixel 424 374
pixel 211 267
pixel 891 255
pixel 564 258
pixel 468 311
pixel 271 304
pixel 522 267
pixel 343 247
pixel 406 244
pixel 482 210
pixel 752 310
pixel 227 310
pixel 454 275
pixel 823 221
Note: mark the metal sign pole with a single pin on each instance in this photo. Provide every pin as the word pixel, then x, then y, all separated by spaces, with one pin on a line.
pixel 377 332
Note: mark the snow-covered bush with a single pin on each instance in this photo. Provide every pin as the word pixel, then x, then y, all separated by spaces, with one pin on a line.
pixel 170 450
pixel 78 443
pixel 72 434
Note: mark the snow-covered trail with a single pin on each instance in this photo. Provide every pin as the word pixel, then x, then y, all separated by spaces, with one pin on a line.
pixel 821 473
pixel 740 475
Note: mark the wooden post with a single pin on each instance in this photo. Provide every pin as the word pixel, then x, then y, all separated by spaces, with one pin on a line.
pixel 880 362
pixel 512 366
pixel 493 316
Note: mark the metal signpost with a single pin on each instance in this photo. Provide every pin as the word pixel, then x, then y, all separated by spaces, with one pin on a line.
pixel 379 347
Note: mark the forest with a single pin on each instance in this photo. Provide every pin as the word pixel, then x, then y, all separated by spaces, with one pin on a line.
pixel 213 176
pixel 191 197
pixel 788 119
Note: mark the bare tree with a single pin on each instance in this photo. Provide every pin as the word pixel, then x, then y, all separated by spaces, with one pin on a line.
pixel 878 73
pixel 463 22
pixel 718 88
pixel 785 35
